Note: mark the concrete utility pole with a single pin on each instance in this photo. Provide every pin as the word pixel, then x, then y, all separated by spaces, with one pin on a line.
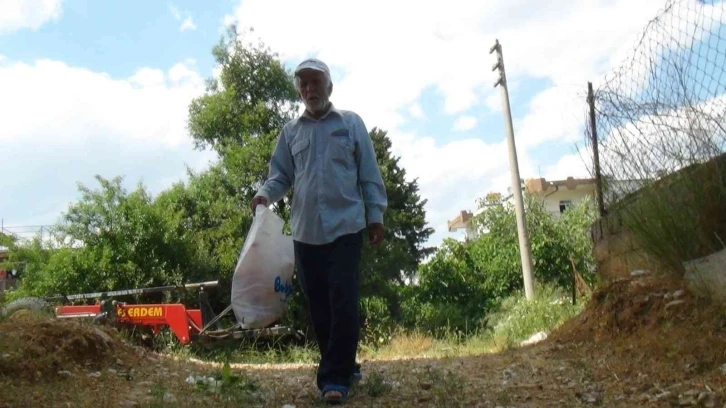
pixel 524 247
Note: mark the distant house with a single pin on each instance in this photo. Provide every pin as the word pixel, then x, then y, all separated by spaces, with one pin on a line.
pixel 558 196
pixel 462 221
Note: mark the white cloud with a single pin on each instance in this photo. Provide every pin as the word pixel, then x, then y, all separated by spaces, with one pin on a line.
pixel 187 24
pixel 553 115
pixel 563 43
pixel 415 110
pixel 464 123
pixel 86 123
pixel 575 165
pixel 174 10
pixel 494 102
pixel 78 104
pixel 227 20
pixel 28 14
pixel 148 77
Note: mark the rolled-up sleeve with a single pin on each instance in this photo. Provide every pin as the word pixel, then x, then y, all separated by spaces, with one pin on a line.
pixel 369 176
pixel 281 176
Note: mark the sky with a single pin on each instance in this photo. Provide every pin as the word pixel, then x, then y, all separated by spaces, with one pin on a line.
pixel 89 87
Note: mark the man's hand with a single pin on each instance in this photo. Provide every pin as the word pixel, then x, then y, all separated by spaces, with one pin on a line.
pixel 375 233
pixel 259 200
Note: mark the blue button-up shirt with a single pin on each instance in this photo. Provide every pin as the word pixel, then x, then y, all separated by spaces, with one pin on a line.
pixel 337 182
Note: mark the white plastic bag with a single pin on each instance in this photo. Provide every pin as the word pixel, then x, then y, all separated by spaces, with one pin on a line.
pixel 262 280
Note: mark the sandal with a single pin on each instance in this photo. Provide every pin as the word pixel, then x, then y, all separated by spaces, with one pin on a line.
pixel 328 395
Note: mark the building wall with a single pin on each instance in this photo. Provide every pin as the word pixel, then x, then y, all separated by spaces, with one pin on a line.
pixel 617 252
pixel 552 202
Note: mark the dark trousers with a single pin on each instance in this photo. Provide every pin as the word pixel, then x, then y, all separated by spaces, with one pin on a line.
pixel 329 278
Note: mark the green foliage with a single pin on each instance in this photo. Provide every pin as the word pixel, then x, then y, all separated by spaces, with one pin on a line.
pixel 451 292
pixel 553 241
pixel 228 386
pixel 377 323
pixel 254 96
pixel 385 268
pixel 113 240
pixel 679 217
pixel 464 281
pixel 517 319
pixel 209 208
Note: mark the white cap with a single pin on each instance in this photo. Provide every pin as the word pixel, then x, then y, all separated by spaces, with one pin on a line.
pixel 313 63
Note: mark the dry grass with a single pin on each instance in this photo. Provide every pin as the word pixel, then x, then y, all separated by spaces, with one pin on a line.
pixel 627 349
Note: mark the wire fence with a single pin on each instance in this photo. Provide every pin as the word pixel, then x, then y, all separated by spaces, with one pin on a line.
pixel 662 113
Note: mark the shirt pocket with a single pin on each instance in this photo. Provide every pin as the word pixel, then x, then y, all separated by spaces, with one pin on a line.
pixel 340 147
pixel 300 151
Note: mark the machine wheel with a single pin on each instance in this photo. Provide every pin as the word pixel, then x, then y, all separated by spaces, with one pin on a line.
pixel 27 303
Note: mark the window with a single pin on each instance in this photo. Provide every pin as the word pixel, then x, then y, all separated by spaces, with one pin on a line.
pixel 565 204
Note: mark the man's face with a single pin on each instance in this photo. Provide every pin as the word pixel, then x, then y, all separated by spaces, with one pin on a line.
pixel 313 89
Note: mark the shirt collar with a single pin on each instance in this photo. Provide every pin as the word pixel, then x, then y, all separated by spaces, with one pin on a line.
pixel 332 109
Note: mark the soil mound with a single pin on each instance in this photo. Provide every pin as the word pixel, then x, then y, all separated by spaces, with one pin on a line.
pixel 652 340
pixel 36 346
pixel 648 304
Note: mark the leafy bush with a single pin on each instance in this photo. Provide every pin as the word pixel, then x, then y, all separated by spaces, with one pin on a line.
pixel 451 295
pixel 464 281
pixel 554 241
pixel 376 320
pixel 110 239
pixel 438 319
pixel 517 319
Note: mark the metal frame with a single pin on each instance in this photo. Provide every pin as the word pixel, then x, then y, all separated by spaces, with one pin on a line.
pixel 198 325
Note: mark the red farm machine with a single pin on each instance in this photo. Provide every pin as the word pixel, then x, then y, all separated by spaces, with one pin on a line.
pixel 188 325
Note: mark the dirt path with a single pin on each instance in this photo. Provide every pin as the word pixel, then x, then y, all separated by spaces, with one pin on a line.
pixel 639 343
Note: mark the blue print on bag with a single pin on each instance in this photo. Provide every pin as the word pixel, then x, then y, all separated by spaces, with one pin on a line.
pixel 285 288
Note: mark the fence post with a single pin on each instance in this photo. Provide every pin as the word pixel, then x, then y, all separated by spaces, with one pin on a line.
pixel 595 153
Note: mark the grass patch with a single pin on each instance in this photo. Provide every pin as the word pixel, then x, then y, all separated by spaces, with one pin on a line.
pixel 518 319
pixel 417 344
pixel 226 385
pixel 515 321
pixel 376 385
pixel 271 352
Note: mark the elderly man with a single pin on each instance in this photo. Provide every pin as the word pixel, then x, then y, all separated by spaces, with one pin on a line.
pixel 327 155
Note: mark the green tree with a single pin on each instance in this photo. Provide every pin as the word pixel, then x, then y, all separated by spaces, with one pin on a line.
pixel 242 112
pixel 111 239
pixel 386 268
pixel 553 241
pixel 253 97
pixel 463 282
pixel 451 292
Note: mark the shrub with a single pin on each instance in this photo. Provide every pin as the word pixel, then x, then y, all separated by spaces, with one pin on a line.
pixel 517 319
pixel 465 281
pixel 376 321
